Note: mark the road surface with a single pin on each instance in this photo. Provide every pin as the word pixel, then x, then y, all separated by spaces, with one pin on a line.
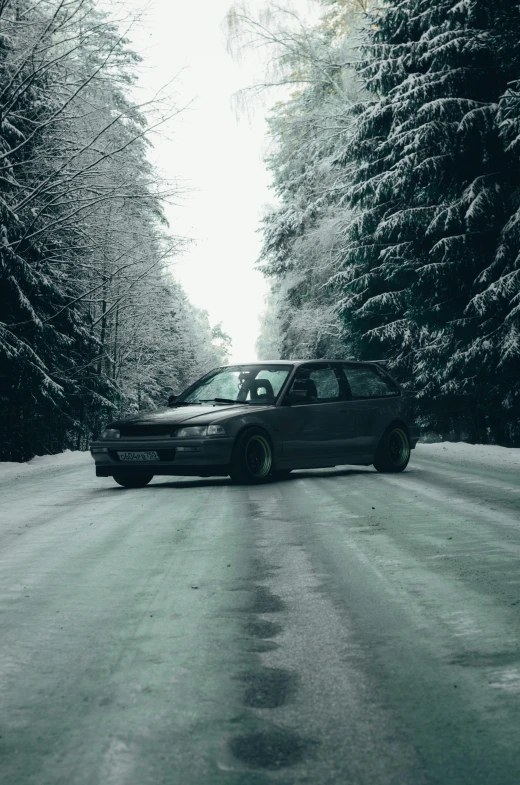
pixel 341 627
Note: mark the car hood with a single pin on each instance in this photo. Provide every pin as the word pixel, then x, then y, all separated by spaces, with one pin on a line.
pixel 197 415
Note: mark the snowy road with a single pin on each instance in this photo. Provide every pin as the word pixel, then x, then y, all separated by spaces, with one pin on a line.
pixel 341 627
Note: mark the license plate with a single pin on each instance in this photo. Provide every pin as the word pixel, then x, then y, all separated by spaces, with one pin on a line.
pixel 147 455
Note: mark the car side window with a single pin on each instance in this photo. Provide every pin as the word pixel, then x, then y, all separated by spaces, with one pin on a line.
pixel 318 384
pixel 366 382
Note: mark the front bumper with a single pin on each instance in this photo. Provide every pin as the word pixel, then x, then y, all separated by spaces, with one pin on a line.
pixel 183 457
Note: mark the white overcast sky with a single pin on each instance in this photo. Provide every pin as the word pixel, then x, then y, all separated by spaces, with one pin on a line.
pixel 218 156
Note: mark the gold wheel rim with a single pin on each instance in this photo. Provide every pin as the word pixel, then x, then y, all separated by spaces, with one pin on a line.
pixel 259 458
pixel 398 447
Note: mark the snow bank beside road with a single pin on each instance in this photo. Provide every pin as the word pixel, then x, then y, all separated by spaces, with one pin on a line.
pixel 471 454
pixel 12 469
pixel 453 452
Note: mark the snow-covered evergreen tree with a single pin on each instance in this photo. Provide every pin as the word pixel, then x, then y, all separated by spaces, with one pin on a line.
pixel 495 348
pixel 398 208
pixel 431 181
pixel 84 245
pixel 303 232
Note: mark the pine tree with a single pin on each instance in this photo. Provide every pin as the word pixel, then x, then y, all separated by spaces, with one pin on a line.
pixel 85 298
pixel 493 354
pixel 40 328
pixel 427 173
pixel 303 232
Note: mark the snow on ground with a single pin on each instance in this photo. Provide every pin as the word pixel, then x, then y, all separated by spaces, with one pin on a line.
pixel 471 454
pixel 11 469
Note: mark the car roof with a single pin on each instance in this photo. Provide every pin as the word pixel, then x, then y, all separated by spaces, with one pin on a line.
pixel 261 363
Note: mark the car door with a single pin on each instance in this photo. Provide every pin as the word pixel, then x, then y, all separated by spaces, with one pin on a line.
pixel 369 410
pixel 312 433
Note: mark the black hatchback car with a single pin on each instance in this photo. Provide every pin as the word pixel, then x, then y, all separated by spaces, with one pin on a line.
pixel 261 420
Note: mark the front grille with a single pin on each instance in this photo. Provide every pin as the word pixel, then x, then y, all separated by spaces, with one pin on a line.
pixel 145 430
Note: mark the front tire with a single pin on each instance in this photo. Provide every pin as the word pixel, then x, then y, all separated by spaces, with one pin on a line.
pixel 252 460
pixel 393 451
pixel 133 480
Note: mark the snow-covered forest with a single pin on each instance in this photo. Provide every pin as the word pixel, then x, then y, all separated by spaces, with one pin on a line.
pixel 395 156
pixel 91 321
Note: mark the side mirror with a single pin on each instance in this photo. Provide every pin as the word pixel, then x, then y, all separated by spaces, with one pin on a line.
pixel 172 399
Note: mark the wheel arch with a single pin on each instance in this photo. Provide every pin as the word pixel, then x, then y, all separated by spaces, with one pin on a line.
pixel 249 426
pixel 397 422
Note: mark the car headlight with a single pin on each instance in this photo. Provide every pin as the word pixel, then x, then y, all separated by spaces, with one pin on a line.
pixel 199 430
pixel 110 433
pixel 216 430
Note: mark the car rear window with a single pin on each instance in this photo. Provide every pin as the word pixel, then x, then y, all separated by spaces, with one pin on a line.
pixel 327 385
pixel 366 382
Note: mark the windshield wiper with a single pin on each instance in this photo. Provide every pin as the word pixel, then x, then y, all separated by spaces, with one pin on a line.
pixel 219 400
pixel 183 403
pixel 240 403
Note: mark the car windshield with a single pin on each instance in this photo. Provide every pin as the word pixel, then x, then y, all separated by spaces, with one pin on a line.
pixel 251 384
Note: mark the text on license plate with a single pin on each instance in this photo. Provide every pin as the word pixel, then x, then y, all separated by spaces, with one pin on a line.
pixel 146 455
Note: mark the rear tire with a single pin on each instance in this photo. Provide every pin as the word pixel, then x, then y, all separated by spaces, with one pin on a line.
pixel 393 451
pixel 252 460
pixel 133 480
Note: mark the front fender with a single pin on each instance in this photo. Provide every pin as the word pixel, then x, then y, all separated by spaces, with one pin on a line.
pixel 265 420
